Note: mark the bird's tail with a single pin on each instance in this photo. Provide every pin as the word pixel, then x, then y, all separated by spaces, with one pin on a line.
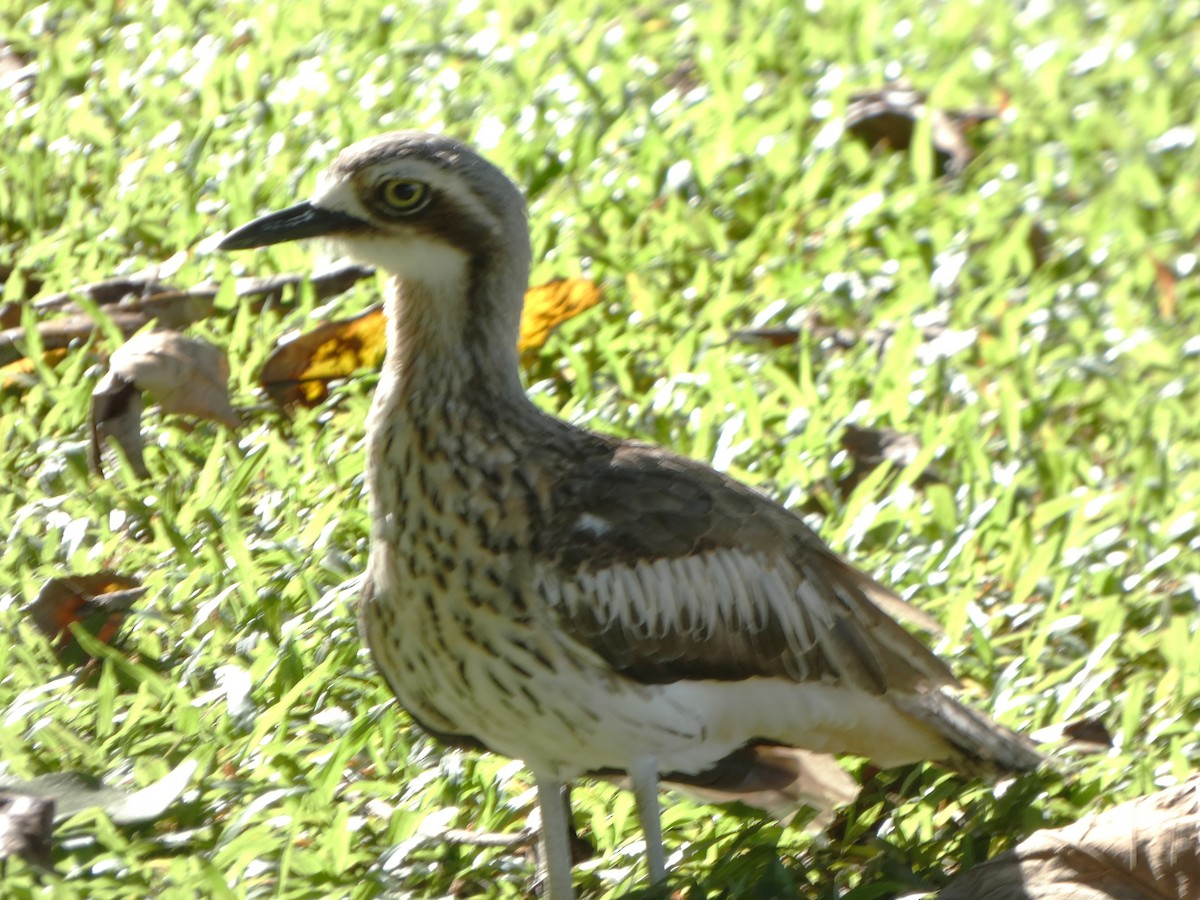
pixel 984 747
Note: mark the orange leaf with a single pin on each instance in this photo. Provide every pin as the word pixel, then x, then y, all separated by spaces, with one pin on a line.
pixel 98 603
pixel 300 370
pixel 23 371
pixel 1166 282
pixel 549 305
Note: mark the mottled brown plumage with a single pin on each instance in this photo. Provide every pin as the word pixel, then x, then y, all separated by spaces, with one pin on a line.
pixel 585 604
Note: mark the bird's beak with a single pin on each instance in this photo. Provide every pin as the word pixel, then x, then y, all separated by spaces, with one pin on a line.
pixel 304 220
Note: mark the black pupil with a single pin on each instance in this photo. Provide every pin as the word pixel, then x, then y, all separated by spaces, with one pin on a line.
pixel 403 193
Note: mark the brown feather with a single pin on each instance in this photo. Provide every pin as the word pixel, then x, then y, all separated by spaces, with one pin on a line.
pixel 650 506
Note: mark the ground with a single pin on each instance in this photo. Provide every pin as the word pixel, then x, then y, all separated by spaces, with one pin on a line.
pixel 1030 319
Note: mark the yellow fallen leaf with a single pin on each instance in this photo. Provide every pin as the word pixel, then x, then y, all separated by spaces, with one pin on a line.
pixel 549 305
pixel 300 370
pixel 23 372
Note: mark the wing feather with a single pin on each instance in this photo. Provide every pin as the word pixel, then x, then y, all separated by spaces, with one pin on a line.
pixel 669 570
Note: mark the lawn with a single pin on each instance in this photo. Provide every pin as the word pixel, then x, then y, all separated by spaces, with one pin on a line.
pixel 1031 320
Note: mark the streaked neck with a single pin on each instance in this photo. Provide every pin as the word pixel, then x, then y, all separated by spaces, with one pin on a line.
pixel 454 340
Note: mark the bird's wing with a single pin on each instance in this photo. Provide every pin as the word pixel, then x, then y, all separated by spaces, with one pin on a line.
pixel 669 570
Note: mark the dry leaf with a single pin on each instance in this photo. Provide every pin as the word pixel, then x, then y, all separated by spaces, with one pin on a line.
pixel 868 449
pixel 300 370
pixel 283 289
pixel 23 372
pixel 186 376
pixel 888 117
pixel 26 286
pixel 1142 850
pixel 872 447
pixel 174 310
pixel 18 73
pixel 1083 735
pixel 74 792
pixel 104 293
pixel 99 603
pixel 132 302
pixel 327 283
pixel 831 337
pixel 26 826
pixel 549 305
pixel 772 337
pixel 1166 283
pixel 1040 244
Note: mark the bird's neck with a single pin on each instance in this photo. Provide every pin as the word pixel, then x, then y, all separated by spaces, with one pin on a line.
pixel 454 342
pixel 449 409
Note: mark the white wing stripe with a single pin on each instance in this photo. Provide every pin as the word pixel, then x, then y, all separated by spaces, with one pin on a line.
pixel 703 595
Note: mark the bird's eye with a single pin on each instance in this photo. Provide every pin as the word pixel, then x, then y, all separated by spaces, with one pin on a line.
pixel 403 195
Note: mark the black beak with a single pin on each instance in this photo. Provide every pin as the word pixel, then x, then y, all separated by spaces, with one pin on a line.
pixel 292 224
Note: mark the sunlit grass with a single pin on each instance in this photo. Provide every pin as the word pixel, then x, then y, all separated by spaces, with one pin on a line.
pixel 679 154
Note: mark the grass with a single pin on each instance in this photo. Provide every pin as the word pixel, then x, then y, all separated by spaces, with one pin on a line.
pixel 680 154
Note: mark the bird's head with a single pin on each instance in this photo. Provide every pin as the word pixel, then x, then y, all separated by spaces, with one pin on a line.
pixel 401 201
pixel 427 209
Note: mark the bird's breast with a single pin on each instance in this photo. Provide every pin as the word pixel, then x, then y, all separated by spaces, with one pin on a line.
pixel 457 619
pixel 448 618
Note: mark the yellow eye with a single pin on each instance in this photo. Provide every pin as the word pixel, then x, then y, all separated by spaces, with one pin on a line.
pixel 403 195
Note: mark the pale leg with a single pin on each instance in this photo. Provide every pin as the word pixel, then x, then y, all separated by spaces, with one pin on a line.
pixel 555 869
pixel 644 773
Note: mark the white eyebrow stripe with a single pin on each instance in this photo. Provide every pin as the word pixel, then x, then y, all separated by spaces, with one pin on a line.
pixel 336 194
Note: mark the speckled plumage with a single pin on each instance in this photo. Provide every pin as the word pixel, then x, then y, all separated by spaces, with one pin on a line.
pixel 585 604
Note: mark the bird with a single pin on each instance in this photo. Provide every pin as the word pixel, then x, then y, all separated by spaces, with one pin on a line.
pixel 587 604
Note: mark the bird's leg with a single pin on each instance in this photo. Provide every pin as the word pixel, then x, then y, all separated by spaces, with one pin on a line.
pixel 555 867
pixel 644 773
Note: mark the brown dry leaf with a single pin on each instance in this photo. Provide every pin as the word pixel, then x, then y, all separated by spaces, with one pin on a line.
pixel 300 370
pixel 832 336
pixel 771 337
pixel 868 449
pixel 872 447
pixel 1142 850
pixel 136 291
pixel 99 603
pixel 104 293
pixel 1088 735
pixel 73 792
pixel 24 286
pixel 1040 244
pixel 171 310
pixel 283 290
pixel 186 376
pixel 134 301
pixel 18 73
pixel 326 283
pixel 1167 284
pixel 888 116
